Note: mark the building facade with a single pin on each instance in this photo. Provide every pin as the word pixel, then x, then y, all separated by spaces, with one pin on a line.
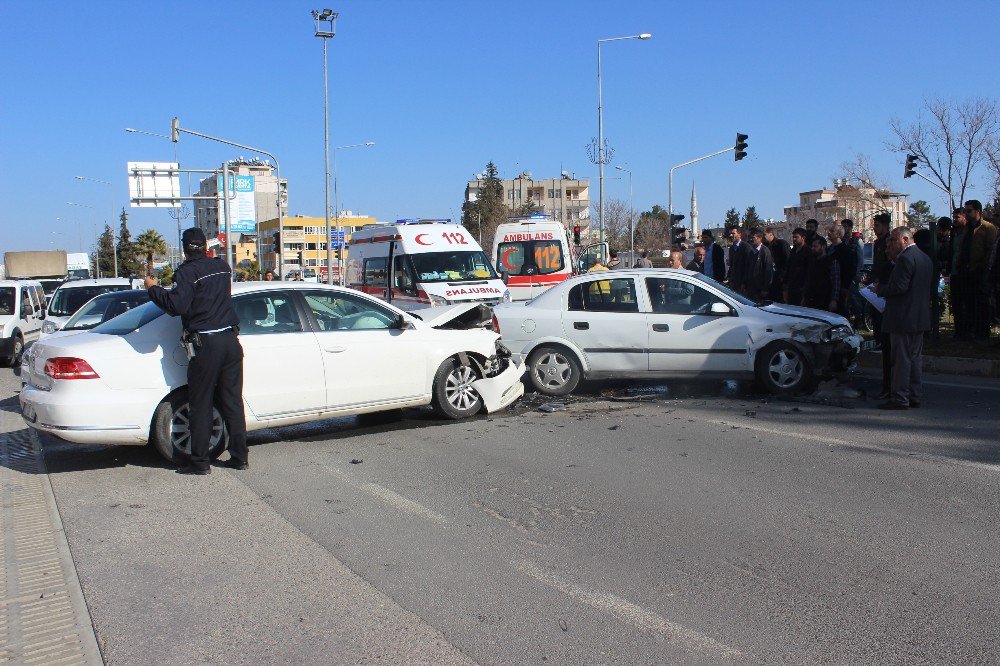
pixel 566 199
pixel 304 239
pixel 846 201
pixel 208 214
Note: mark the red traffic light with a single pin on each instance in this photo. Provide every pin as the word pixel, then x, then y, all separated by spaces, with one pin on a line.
pixel 576 235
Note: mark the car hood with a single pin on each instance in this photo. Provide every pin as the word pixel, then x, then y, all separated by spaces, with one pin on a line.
pixel 460 316
pixel 800 312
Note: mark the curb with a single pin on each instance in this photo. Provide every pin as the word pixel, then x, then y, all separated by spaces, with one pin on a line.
pixel 945 365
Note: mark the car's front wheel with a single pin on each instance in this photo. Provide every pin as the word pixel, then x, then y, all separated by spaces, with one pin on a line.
pixel 782 368
pixel 171 435
pixel 453 395
pixel 16 351
pixel 554 371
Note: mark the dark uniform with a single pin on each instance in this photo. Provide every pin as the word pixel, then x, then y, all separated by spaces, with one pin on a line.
pixel 202 297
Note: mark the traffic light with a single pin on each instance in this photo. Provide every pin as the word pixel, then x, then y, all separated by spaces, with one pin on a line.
pixel 674 219
pixel 741 146
pixel 175 130
pixel 911 166
pixel 277 242
pixel 576 235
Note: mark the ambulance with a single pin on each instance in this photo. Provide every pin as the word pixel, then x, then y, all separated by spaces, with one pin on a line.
pixel 533 253
pixel 416 264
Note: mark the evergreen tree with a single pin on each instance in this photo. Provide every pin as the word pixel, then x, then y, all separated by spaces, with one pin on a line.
pixel 751 220
pixel 482 216
pixel 106 253
pixel 732 218
pixel 129 262
pixel 919 216
pixel 165 276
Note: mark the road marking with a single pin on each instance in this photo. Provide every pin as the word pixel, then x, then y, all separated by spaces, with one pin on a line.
pixel 971 387
pixel 392 498
pixel 833 441
pixel 630 613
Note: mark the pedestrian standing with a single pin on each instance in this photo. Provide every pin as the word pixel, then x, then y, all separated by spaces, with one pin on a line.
pixel 739 262
pixel 907 317
pixel 614 263
pixel 269 276
pixel 812 227
pixel 881 269
pixel 760 279
pixel 780 252
pixel 822 287
pixel 644 261
pixel 944 227
pixel 676 259
pixel 798 266
pixel 977 248
pixel 697 264
pixel 845 256
pixel 715 257
pixel 202 298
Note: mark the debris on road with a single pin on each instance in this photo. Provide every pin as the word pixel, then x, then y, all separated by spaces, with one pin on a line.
pixel 550 407
pixel 356 461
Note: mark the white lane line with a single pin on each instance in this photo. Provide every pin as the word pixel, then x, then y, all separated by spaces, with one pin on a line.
pixel 971 387
pixel 391 498
pixel 626 611
pixel 833 441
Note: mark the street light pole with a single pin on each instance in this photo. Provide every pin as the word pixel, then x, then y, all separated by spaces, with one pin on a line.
pixel 104 182
pixel 98 248
pixel 336 200
pixel 600 126
pixel 631 221
pixel 325 25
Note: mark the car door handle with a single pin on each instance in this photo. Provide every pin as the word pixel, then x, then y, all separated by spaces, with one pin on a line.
pixel 581 325
pixel 334 350
pixel 661 328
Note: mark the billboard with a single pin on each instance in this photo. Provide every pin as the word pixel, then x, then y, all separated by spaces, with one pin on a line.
pixel 242 206
pixel 154 184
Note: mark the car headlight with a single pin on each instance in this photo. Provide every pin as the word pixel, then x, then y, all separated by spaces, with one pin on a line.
pixel 506 296
pixel 836 333
pixel 49 327
pixel 438 300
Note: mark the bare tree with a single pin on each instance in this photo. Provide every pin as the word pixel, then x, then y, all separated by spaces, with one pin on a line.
pixel 993 163
pixel 616 223
pixel 865 192
pixel 950 140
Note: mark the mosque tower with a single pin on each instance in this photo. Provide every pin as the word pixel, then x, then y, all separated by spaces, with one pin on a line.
pixel 694 214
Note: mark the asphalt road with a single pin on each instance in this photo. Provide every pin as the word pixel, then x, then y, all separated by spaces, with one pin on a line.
pixel 698 527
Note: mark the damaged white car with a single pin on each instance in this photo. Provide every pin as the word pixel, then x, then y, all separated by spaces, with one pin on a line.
pixel 665 323
pixel 310 352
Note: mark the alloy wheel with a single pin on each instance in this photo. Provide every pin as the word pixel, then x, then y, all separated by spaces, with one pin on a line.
pixel 785 368
pixel 553 370
pixel 458 388
pixel 180 432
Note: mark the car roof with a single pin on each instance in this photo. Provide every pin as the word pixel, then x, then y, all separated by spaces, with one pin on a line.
pixel 19 283
pixel 274 285
pixel 94 282
pixel 120 293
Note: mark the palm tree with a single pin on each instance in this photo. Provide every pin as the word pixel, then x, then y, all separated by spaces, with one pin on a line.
pixel 149 243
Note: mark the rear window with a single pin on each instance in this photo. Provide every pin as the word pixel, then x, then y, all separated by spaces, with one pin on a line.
pixel 130 321
pixel 68 300
pixel 530 257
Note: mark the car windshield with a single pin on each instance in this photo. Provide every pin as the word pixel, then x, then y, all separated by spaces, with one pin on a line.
pixel 742 300
pixel 530 257
pixel 453 266
pixel 49 286
pixel 67 300
pixel 131 321
pixel 104 308
pixel 7 299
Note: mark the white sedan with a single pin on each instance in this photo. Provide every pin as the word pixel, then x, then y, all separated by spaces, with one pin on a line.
pixel 663 323
pixel 310 352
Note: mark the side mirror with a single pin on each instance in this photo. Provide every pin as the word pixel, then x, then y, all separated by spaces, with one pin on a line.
pixel 400 323
pixel 720 308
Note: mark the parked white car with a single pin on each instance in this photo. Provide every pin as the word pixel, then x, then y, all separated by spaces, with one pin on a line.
pixel 311 352
pixel 71 295
pixel 662 323
pixel 22 306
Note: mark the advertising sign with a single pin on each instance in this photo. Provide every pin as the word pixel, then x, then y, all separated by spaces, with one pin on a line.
pixel 242 205
pixel 154 184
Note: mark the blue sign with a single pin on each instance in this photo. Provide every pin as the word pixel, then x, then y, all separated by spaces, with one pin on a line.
pixel 242 206
pixel 337 235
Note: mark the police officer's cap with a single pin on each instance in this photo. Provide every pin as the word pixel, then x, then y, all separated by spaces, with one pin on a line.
pixel 193 239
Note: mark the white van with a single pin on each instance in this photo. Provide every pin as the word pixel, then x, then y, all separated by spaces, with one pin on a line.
pixel 533 254
pixel 70 297
pixel 22 306
pixel 422 263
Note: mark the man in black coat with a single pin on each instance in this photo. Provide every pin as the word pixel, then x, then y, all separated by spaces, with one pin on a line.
pixel 760 278
pixel 739 262
pixel 798 265
pixel 880 271
pixel 846 257
pixel 907 316
pixel 715 257
pixel 822 279
pixel 780 252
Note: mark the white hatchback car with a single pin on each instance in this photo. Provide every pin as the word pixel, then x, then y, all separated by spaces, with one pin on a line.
pixel 663 323
pixel 310 352
pixel 71 296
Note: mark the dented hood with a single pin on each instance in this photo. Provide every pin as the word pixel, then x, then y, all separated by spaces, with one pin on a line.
pixel 458 316
pixel 819 316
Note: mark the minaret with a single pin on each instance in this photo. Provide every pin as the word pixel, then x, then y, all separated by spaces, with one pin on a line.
pixel 694 214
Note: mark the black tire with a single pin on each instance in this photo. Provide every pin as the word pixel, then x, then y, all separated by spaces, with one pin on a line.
pixel 174 444
pixel 782 369
pixel 17 353
pixel 453 397
pixel 554 370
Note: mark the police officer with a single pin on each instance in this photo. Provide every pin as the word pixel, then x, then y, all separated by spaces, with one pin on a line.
pixel 202 298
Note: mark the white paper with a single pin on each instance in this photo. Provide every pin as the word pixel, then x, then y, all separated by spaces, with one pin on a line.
pixel 868 293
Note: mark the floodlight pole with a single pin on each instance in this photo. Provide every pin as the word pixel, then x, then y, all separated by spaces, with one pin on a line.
pixel 325 28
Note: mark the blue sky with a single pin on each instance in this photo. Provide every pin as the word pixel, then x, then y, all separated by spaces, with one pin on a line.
pixel 443 87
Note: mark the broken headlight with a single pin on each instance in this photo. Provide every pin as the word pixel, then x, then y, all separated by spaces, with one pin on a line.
pixel 836 333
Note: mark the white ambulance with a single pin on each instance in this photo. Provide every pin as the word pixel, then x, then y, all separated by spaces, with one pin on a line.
pixel 416 264
pixel 533 253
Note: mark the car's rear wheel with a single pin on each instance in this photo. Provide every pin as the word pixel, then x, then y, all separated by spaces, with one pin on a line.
pixel 554 371
pixel 16 352
pixel 171 434
pixel 453 395
pixel 782 368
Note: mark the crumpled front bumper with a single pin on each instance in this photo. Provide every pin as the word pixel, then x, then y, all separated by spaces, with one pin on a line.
pixel 838 356
pixel 502 389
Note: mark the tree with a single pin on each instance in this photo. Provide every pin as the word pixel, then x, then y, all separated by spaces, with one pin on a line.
pixel 871 190
pixel 732 219
pixel 652 230
pixel 482 216
pixel 165 276
pixel 106 253
pixel 950 141
pixel 150 243
pixel 919 216
pixel 751 220
pixel 129 262
pixel 617 227
pixel 529 207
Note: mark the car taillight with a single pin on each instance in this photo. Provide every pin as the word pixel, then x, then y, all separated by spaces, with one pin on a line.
pixel 68 367
pixel 496 325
